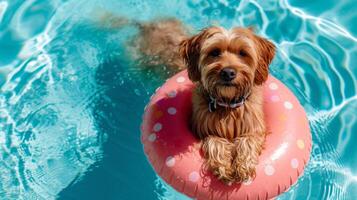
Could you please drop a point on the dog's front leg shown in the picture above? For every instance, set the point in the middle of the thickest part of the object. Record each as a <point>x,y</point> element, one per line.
<point>246,155</point>
<point>218,153</point>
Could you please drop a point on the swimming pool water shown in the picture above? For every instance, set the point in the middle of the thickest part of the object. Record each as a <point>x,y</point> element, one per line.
<point>71,99</point>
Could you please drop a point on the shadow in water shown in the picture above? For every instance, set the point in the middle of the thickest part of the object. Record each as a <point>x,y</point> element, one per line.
<point>124,172</point>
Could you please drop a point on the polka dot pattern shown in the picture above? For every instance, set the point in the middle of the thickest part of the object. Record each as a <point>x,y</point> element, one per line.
<point>152,137</point>
<point>288,105</point>
<point>157,127</point>
<point>163,138</point>
<point>300,143</point>
<point>294,163</point>
<point>269,170</point>
<point>273,86</point>
<point>181,79</point>
<point>275,98</point>
<point>172,110</point>
<point>193,176</point>
<point>172,94</point>
<point>170,161</point>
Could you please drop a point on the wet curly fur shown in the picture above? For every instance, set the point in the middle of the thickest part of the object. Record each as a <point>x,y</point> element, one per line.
<point>232,138</point>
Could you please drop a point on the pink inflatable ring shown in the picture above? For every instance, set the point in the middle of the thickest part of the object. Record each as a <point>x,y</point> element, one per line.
<point>175,154</point>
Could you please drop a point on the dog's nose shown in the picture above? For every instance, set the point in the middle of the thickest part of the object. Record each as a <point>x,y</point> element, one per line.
<point>228,74</point>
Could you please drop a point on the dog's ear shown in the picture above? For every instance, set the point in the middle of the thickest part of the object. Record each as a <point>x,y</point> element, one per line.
<point>265,56</point>
<point>190,52</point>
<point>251,28</point>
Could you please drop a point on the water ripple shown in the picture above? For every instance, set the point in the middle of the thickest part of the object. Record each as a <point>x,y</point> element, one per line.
<point>66,86</point>
<point>50,137</point>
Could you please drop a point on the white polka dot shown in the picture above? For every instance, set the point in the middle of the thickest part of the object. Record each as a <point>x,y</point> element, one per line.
<point>172,94</point>
<point>294,163</point>
<point>275,98</point>
<point>269,170</point>
<point>181,79</point>
<point>157,127</point>
<point>152,137</point>
<point>171,110</point>
<point>194,176</point>
<point>273,86</point>
<point>300,143</point>
<point>170,161</point>
<point>248,182</point>
<point>288,105</point>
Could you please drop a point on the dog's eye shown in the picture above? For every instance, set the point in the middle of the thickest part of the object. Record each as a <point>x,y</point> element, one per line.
<point>215,53</point>
<point>242,53</point>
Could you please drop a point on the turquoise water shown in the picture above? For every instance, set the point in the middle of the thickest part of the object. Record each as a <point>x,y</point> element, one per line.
<point>71,99</point>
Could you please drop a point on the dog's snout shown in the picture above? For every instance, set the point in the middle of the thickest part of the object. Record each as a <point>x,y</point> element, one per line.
<point>228,74</point>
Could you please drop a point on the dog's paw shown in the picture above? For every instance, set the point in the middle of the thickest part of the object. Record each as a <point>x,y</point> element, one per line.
<point>218,158</point>
<point>244,171</point>
<point>247,151</point>
<point>224,173</point>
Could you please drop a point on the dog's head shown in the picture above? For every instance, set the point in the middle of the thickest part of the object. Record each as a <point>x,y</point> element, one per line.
<point>228,63</point>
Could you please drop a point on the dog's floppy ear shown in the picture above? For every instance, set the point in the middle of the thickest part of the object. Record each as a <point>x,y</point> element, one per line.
<point>265,56</point>
<point>190,52</point>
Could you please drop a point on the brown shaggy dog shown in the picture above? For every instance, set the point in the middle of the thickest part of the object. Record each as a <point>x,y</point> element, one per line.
<point>157,44</point>
<point>229,67</point>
